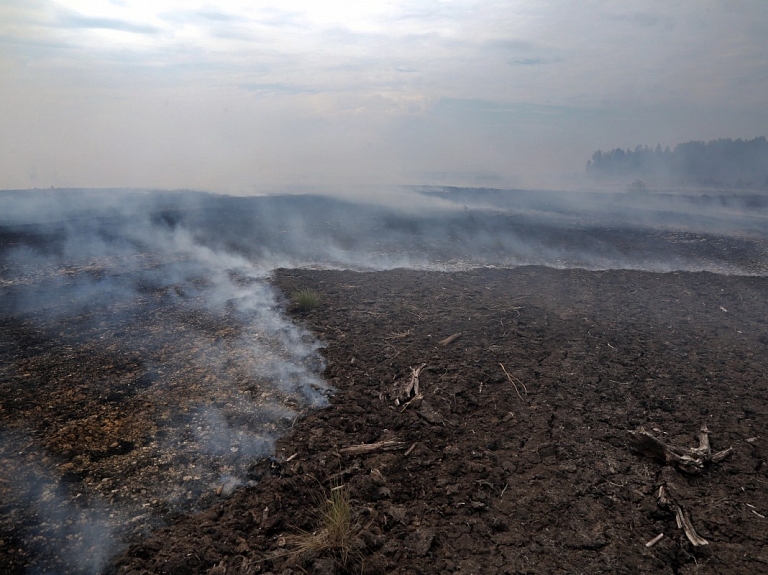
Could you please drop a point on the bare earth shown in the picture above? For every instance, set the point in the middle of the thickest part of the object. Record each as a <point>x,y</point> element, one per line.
<point>489,478</point>
<point>164,408</point>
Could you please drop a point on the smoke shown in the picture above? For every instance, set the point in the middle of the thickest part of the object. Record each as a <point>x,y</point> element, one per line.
<point>182,359</point>
<point>57,531</point>
<point>153,312</point>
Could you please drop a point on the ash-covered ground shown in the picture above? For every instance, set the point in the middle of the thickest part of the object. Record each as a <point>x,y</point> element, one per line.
<point>149,366</point>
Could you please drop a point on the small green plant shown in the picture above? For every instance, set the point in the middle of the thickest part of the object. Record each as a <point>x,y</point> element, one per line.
<point>306,299</point>
<point>336,533</point>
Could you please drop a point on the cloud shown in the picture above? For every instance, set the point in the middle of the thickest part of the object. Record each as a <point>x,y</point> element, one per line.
<point>305,84</point>
<point>534,61</point>
<point>507,45</point>
<point>71,20</point>
<point>277,89</point>
<point>216,16</point>
<point>277,18</point>
<point>646,19</point>
<point>204,17</point>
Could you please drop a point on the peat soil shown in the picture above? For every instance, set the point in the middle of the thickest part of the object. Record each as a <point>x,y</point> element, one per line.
<point>514,457</point>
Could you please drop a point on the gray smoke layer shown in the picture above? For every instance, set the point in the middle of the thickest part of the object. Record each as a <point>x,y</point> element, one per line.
<point>184,361</point>
<point>153,312</point>
<point>63,532</point>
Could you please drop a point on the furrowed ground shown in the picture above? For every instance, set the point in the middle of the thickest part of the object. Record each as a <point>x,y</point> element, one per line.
<point>515,458</point>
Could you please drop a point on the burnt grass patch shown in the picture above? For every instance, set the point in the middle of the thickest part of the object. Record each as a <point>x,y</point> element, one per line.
<point>471,476</point>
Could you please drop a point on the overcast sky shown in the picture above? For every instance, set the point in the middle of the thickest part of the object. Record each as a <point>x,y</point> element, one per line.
<point>237,96</point>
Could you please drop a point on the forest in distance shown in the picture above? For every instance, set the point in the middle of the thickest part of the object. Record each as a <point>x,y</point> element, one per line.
<point>721,163</point>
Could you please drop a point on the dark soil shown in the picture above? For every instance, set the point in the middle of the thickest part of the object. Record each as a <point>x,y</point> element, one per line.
<point>492,477</point>
<point>145,375</point>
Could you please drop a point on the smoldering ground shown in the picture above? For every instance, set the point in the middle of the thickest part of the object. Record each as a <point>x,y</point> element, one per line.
<point>176,359</point>
<point>148,366</point>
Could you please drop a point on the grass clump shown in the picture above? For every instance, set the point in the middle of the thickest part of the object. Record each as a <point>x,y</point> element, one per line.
<point>336,535</point>
<point>306,299</point>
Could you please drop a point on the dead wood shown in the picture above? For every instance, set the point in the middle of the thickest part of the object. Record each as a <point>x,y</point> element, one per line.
<point>367,448</point>
<point>646,444</point>
<point>688,460</point>
<point>691,460</point>
<point>655,540</point>
<point>415,401</point>
<point>721,455</point>
<point>704,448</point>
<point>450,339</point>
<point>413,385</point>
<point>681,517</point>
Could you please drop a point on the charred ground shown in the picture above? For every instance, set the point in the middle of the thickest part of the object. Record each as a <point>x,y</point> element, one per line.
<point>103,402</point>
<point>497,483</point>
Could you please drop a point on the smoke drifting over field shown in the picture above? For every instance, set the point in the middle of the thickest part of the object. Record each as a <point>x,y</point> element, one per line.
<point>186,369</point>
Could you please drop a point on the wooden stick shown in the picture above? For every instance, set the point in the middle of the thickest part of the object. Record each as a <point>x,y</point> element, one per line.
<point>646,444</point>
<point>409,402</point>
<point>684,520</point>
<point>720,455</point>
<point>691,460</point>
<point>704,447</point>
<point>367,448</point>
<point>413,385</point>
<point>450,339</point>
<point>655,540</point>
<point>681,517</point>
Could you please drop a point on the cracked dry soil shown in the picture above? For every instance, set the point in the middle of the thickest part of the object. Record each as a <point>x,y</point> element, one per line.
<point>489,481</point>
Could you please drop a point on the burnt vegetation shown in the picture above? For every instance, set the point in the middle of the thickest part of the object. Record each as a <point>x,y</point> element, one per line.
<point>166,406</point>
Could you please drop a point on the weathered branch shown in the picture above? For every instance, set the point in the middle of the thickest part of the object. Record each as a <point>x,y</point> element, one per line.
<point>655,540</point>
<point>720,455</point>
<point>691,460</point>
<point>413,385</point>
<point>681,517</point>
<point>450,339</point>
<point>367,448</point>
<point>704,447</point>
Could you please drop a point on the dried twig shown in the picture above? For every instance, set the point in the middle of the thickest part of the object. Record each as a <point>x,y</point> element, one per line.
<point>688,460</point>
<point>704,447</point>
<point>681,517</point>
<point>450,339</point>
<point>367,448</point>
<point>512,379</point>
<point>409,402</point>
<point>413,385</point>
<point>399,334</point>
<point>655,540</point>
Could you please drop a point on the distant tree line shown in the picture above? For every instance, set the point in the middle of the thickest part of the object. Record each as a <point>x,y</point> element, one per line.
<point>719,163</point>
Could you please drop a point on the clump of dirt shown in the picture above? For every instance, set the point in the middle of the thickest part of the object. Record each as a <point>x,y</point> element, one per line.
<point>513,455</point>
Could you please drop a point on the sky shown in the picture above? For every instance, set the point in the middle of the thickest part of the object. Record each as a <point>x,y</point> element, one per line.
<point>249,96</point>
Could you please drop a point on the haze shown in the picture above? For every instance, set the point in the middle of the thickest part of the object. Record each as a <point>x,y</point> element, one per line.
<point>240,97</point>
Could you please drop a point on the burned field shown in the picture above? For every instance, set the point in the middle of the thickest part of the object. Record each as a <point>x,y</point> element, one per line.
<point>486,477</point>
<point>169,411</point>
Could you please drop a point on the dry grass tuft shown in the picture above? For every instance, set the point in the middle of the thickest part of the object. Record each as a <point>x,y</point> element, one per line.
<point>306,299</point>
<point>336,534</point>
